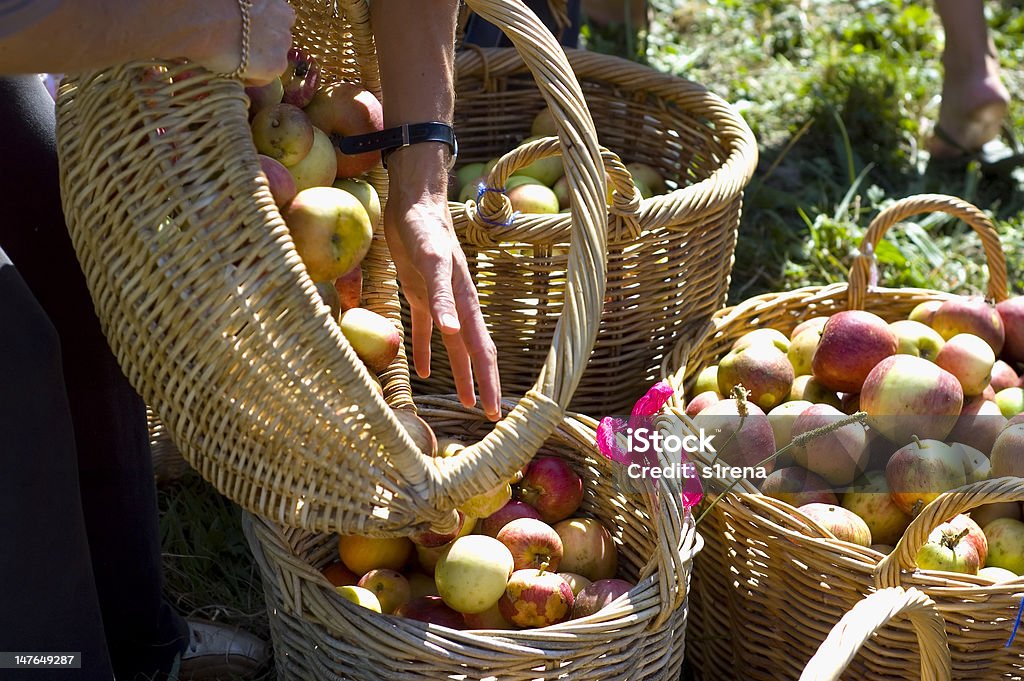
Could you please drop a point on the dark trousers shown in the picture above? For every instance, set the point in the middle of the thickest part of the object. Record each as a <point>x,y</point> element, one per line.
<point>484,34</point>
<point>80,563</point>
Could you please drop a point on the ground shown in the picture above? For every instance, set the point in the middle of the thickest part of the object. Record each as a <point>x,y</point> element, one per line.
<point>838,94</point>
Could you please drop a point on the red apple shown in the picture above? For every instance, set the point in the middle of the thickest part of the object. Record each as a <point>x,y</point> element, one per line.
<point>587,548</point>
<point>974,536</point>
<point>350,288</point>
<point>871,499</point>
<point>919,472</point>
<point>838,456</point>
<point>390,587</point>
<point>978,425</point>
<point>262,96</point>
<point>491,618</point>
<point>798,486</point>
<point>533,543</point>
<point>806,389</point>
<point>1008,452</point>
<point>970,359</point>
<point>431,540</point>
<point>762,369</point>
<point>551,487</point>
<point>973,315</point>
<point>431,610</point>
<point>925,312</point>
<point>374,337</point>
<point>762,337</point>
<point>343,109</point>
<point>598,595</point>
<point>1011,313</point>
<point>977,467</point>
<point>534,598</point>
<point>301,78</point>
<point>338,575</point>
<point>1003,376</point>
<point>844,524</point>
<point>533,198</point>
<point>281,183</point>
<point>739,441</point>
<point>852,343</point>
<point>513,510</point>
<point>698,403</point>
<point>948,550</point>
<point>906,396</point>
<point>283,132</point>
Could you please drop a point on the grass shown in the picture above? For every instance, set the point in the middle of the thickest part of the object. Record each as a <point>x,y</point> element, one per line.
<point>837,93</point>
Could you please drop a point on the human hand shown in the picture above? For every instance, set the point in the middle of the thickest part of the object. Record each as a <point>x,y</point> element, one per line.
<point>435,277</point>
<point>270,38</point>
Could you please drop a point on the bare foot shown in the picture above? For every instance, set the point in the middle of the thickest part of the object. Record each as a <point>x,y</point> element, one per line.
<point>974,105</point>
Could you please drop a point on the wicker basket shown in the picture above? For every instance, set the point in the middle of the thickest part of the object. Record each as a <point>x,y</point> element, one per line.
<point>168,463</point>
<point>771,583</point>
<point>669,256</point>
<point>318,635</point>
<point>216,323</point>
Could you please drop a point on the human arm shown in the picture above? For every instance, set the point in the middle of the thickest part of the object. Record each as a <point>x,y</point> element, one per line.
<point>86,34</point>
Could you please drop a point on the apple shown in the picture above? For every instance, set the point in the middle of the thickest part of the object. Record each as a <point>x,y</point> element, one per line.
<point>797,486</point>
<point>852,343</point>
<point>543,124</point>
<point>817,323</point>
<point>782,418</point>
<point>283,132</point>
<point>871,500</point>
<point>349,287</point>
<point>533,198</point>
<point>906,396</point>
<point>331,231</point>
<point>421,585</point>
<point>698,403</point>
<point>762,369</point>
<point>801,351</point>
<point>374,338</point>
<point>364,191</point>
<point>598,595</point>
<point>551,487</point>
<point>262,96</point>
<point>342,109</point>
<point>390,587</point>
<point>1006,544</point>
<point>546,170</point>
<point>707,381</point>
<point>762,336</point>
<point>948,550</point>
<point>432,540</point>
<point>491,618</point>
<point>1011,313</point>
<point>301,78</point>
<point>512,510</point>
<point>975,536</point>
<point>471,575</point>
<point>1007,455</point>
<point>431,610</point>
<point>362,554</point>
<point>838,456</point>
<point>978,425</point>
<point>338,575</point>
<point>359,596</point>
<point>739,441</point>
<point>970,359</point>
<point>535,598</point>
<point>419,431</point>
<point>329,297</point>
<point>1010,401</point>
<point>319,167</point>
<point>561,190</point>
<point>467,173</point>
<point>587,548</point>
<point>281,183</point>
<point>487,503</point>
<point>806,388</point>
<point>989,394</point>
<point>917,339</point>
<point>998,575</point>
<point>533,543</point>
<point>471,190</point>
<point>844,524</point>
<point>973,315</point>
<point>1003,376</point>
<point>986,513</point>
<point>576,582</point>
<point>428,556</point>
<point>924,312</point>
<point>849,403</point>
<point>977,466</point>
<point>648,175</point>
<point>919,472</point>
<point>519,180</point>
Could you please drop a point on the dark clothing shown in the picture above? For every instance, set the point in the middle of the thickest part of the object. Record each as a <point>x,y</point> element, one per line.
<point>484,34</point>
<point>81,567</point>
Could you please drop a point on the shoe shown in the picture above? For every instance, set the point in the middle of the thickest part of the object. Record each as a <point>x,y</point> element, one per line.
<point>995,157</point>
<point>220,652</point>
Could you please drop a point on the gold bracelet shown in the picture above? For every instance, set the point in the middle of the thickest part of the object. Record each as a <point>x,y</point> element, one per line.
<point>243,63</point>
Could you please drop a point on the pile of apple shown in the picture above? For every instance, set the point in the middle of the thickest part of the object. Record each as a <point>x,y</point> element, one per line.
<point>329,207</point>
<point>542,187</point>
<point>522,557</point>
<point>944,404</point>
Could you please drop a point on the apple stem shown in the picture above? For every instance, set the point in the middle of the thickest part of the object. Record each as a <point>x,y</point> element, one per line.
<point>917,441</point>
<point>542,568</point>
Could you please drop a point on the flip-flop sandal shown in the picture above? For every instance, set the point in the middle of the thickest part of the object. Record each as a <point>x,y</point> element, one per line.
<point>995,157</point>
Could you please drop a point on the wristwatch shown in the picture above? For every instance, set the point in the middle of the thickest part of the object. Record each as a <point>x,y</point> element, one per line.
<point>390,139</point>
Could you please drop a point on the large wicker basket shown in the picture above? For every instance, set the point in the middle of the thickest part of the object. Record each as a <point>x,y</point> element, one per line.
<point>771,583</point>
<point>215,322</point>
<point>319,636</point>
<point>669,256</point>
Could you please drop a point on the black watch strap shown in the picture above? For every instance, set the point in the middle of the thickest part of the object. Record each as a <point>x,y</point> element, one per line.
<point>391,139</point>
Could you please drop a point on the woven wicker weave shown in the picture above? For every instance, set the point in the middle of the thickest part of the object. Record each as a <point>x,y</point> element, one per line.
<point>669,256</point>
<point>211,314</point>
<point>319,636</point>
<point>771,583</point>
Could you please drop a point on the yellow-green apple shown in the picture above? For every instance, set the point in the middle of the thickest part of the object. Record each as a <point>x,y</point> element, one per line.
<point>512,510</point>
<point>801,351</point>
<point>349,287</point>
<point>970,359</point>
<point>319,167</point>
<point>648,175</point>
<point>838,456</point>
<point>781,419</point>
<point>762,369</point>
<point>338,575</point>
<point>543,124</point>
<point>283,132</point>
<point>843,523</point>
<point>919,472</point>
<point>449,446</point>
<point>1008,452</point>
<point>419,431</point>
<point>817,323</point>
<point>974,535</point>
<point>420,585</point>
<point>362,554</point>
<point>1011,313</point>
<point>533,544</point>
<point>1006,544</point>
<point>359,596</point>
<point>986,513</point>
<point>587,548</point>
<point>518,180</point>
<point>948,550</point>
<point>998,575</point>
<point>852,343</point>
<point>281,183</point>
<point>364,191</point>
<point>977,466</point>
<point>699,402</point>
<point>798,486</point>
<point>906,396</point>
<point>1010,401</point>
<point>262,96</point>
<point>533,198</point>
<point>301,78</point>
<point>978,425</point>
<point>561,190</point>
<point>924,312</point>
<point>738,441</point>
<point>467,173</point>
<point>471,575</point>
<point>1003,376</point>
<point>551,487</point>
<point>915,338</point>
<point>374,338</point>
<point>870,498</point>
<point>471,190</point>
<point>485,504</point>
<point>806,388</point>
<point>491,618</point>
<point>970,314</point>
<point>343,109</point>
<point>390,587</point>
<point>535,598</point>
<point>576,582</point>
<point>432,610</point>
<point>762,337</point>
<point>432,540</point>
<point>598,595</point>
<point>707,380</point>
<point>330,298</point>
<point>547,170</point>
<point>331,231</point>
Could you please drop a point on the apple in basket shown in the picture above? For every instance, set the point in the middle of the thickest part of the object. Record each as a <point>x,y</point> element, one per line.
<point>533,198</point>
<point>301,78</point>
<point>838,456</point>
<point>512,510</point>
<point>359,596</point>
<point>587,548</point>
<point>489,502</point>
<point>1006,544</point>
<point>906,396</point>
<point>648,175</point>
<point>551,487</point>
<point>970,359</point>
<point>281,183</point>
<point>342,109</point>
<point>1010,401</point>
<point>948,549</point>
<point>420,585</point>
<point>533,544</point>
<point>331,231</point>
<point>430,540</point>
<point>1011,313</point>
<point>546,170</point>
<point>919,472</point>
<point>283,132</point>
<point>338,575</point>
<point>808,389</point>
<point>375,338</point>
<point>329,297</point>
<point>419,430</point>
<point>701,401</point>
<point>801,351</point>
<point>491,618</point>
<point>812,323</point>
<point>871,499</point>
<point>1004,376</point>
<point>350,288</point>
<point>978,425</point>
<point>1008,452</point>
<point>707,380</point>
<point>782,419</point>
<point>843,523</point>
<point>389,586</point>
<point>970,314</point>
<point>536,598</point>
<point>761,337</point>
<point>576,582</point>
<point>471,575</point>
<point>362,554</point>
<point>975,535</point>
<point>998,575</point>
<point>797,486</point>
<point>262,96</point>
<point>738,441</point>
<point>431,610</point>
<point>319,167</point>
<point>977,466</point>
<point>852,343</point>
<point>596,596</point>
<point>925,312</point>
<point>762,369</point>
<point>917,339</point>
<point>986,513</point>
<point>364,191</point>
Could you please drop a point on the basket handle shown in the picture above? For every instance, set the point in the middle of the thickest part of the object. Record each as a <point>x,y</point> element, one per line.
<point>870,615</point>
<point>519,435</point>
<point>889,570</point>
<point>864,272</point>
